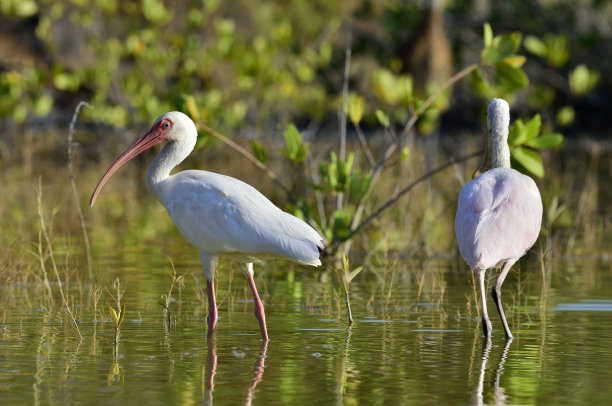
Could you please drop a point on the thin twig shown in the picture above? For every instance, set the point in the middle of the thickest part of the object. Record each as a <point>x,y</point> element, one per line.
<point>364,146</point>
<point>345,90</point>
<point>402,192</point>
<point>74,188</point>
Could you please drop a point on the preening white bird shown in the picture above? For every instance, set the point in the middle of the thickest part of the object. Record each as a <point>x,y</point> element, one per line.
<point>499,214</point>
<point>217,214</point>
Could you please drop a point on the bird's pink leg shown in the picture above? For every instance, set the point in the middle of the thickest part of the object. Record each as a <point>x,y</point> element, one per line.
<point>259,308</point>
<point>496,293</point>
<point>486,323</point>
<point>212,308</point>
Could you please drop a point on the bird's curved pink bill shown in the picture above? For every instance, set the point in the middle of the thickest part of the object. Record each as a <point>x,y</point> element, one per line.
<point>153,137</point>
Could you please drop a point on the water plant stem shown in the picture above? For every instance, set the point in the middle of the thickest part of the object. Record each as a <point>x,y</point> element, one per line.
<point>45,234</point>
<point>74,189</point>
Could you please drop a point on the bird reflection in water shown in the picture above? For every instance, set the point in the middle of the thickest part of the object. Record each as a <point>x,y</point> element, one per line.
<point>498,391</point>
<point>208,376</point>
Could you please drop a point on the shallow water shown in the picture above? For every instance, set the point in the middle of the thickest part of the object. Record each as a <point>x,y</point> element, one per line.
<point>416,339</point>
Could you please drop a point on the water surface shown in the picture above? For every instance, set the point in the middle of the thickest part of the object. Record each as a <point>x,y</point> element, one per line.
<point>416,339</point>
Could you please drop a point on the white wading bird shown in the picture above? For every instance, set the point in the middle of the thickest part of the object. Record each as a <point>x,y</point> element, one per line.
<point>218,214</point>
<point>499,214</point>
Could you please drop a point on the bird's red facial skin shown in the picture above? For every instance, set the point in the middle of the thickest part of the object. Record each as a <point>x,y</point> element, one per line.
<point>156,135</point>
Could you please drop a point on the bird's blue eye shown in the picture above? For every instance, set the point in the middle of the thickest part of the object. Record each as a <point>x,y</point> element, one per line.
<point>166,125</point>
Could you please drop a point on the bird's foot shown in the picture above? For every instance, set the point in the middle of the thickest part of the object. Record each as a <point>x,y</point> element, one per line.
<point>486,327</point>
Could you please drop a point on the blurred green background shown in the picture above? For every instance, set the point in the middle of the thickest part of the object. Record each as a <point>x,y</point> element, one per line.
<point>258,65</point>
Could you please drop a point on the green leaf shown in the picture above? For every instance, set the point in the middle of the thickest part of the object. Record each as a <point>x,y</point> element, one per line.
<point>501,47</point>
<point>342,223</point>
<point>557,51</point>
<point>532,128</point>
<point>512,75</point>
<point>516,61</point>
<point>535,46</point>
<point>566,116</point>
<point>114,315</point>
<point>384,86</point>
<point>351,275</point>
<point>345,263</point>
<point>545,141</point>
<point>403,88</point>
<point>404,154</point>
<point>356,107</point>
<point>43,105</point>
<point>259,152</point>
<point>66,81</point>
<point>358,186</point>
<point>295,151</point>
<point>121,315</point>
<point>344,171</point>
<point>487,35</point>
<point>329,172</point>
<point>517,134</point>
<point>582,80</point>
<point>342,280</point>
<point>383,118</point>
<point>530,160</point>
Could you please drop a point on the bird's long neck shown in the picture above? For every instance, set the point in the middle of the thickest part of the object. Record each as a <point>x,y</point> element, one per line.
<point>500,152</point>
<point>171,155</point>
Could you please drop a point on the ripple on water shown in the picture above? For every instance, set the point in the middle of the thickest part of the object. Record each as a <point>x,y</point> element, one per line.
<point>585,306</point>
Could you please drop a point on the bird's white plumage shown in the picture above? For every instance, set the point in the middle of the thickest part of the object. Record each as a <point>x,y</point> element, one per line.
<point>224,216</point>
<point>218,214</point>
<point>498,217</point>
<point>499,214</point>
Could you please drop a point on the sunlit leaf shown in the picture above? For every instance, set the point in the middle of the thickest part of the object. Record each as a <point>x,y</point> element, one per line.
<point>517,134</point>
<point>344,168</point>
<point>566,116</point>
<point>515,61</point>
<point>121,315</point>
<point>535,46</point>
<point>403,86</point>
<point>487,35</point>
<point>501,47</point>
<point>113,314</point>
<point>532,127</point>
<point>43,105</point>
<point>546,141</point>
<point>295,151</point>
<point>356,107</point>
<point>354,273</point>
<point>582,80</point>
<point>530,160</point>
<point>382,117</point>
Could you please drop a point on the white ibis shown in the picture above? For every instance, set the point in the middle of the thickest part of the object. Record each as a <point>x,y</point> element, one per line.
<point>498,215</point>
<point>217,214</point>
